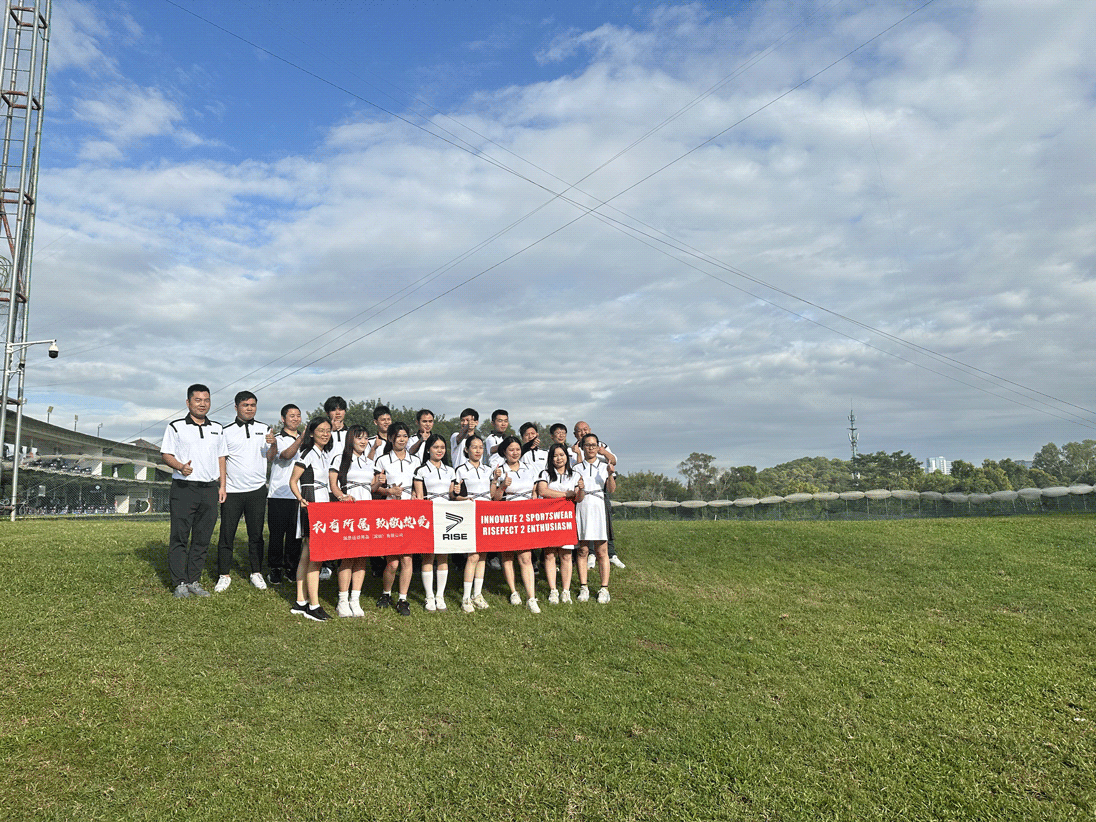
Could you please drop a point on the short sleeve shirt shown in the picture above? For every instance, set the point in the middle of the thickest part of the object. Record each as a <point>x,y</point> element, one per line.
<point>247,448</point>
<point>200,445</point>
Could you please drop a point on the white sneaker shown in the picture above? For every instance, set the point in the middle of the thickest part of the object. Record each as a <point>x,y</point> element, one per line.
<point>494,564</point>
<point>603,595</point>
<point>439,603</point>
<point>222,584</point>
<point>617,561</point>
<point>325,574</point>
<point>553,597</point>
<point>258,581</point>
<point>343,609</point>
<point>515,598</point>
<point>584,593</point>
<point>467,606</point>
<point>532,605</point>
<point>356,609</point>
<point>591,561</point>
<point>480,602</point>
<point>430,606</point>
<point>565,597</point>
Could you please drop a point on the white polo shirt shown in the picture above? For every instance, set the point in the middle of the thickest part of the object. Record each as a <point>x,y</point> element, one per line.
<point>247,449</point>
<point>200,445</point>
<point>536,458</point>
<point>398,472</point>
<point>281,470</point>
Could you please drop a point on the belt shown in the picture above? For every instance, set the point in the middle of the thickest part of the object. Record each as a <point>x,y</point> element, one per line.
<point>197,483</point>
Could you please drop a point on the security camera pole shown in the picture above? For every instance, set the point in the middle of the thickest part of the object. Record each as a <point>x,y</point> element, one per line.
<point>9,355</point>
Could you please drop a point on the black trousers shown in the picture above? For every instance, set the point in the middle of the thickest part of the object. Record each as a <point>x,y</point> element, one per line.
<point>285,547</point>
<point>252,505</point>
<point>193,508</point>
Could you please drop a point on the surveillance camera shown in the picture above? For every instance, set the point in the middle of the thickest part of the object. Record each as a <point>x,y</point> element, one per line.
<point>54,351</point>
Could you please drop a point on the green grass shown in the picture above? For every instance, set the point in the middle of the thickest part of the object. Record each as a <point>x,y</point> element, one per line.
<point>757,671</point>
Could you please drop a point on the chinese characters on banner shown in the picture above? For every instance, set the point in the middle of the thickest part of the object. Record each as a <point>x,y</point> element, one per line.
<point>383,527</point>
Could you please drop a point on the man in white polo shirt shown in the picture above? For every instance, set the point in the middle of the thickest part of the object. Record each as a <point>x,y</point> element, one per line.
<point>194,448</point>
<point>248,442</point>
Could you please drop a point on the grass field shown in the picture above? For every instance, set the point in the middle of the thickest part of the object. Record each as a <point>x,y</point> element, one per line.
<point>756,671</point>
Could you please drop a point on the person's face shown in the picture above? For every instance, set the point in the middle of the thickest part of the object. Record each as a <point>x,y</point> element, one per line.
<point>589,447</point>
<point>383,421</point>
<point>400,441</point>
<point>468,423</point>
<point>198,404</point>
<point>437,451</point>
<point>559,460</point>
<point>512,453</point>
<point>426,423</point>
<point>530,434</point>
<point>322,434</point>
<point>502,422</point>
<point>475,450</point>
<point>361,442</point>
<point>337,417</point>
<point>292,419</point>
<point>246,409</point>
<point>581,430</point>
<point>560,436</point>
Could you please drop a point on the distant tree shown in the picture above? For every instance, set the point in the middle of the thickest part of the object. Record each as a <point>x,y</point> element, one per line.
<point>936,481</point>
<point>646,485</point>
<point>738,482</point>
<point>1080,461</point>
<point>1018,476</point>
<point>824,473</point>
<point>1041,479</point>
<point>1049,459</point>
<point>882,470</point>
<point>700,473</point>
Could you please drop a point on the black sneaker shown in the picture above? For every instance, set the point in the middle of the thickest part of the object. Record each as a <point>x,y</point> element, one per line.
<point>298,609</point>
<point>275,576</point>
<point>384,601</point>
<point>317,614</point>
<point>403,608</point>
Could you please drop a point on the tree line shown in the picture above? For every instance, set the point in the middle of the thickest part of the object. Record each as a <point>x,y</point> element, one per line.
<point>1073,463</point>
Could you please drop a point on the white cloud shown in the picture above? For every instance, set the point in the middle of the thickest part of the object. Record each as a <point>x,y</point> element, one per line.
<point>936,187</point>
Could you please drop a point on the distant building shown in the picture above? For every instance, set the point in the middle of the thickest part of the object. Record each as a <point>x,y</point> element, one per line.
<point>1025,463</point>
<point>937,464</point>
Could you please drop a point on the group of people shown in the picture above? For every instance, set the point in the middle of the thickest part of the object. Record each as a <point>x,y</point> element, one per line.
<point>246,469</point>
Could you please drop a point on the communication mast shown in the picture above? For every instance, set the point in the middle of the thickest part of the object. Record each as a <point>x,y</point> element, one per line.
<point>853,435</point>
<point>23,51</point>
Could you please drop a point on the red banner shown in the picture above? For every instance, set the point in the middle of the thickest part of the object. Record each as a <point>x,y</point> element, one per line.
<point>373,528</point>
<point>370,528</point>
<point>523,524</point>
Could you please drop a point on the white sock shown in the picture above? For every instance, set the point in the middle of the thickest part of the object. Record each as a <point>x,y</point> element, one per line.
<point>443,577</point>
<point>344,596</point>
<point>477,587</point>
<point>355,597</point>
<point>428,583</point>
<point>403,597</point>
<point>468,590</point>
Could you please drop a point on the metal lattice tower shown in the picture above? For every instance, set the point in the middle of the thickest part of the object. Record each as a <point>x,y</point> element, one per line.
<point>23,53</point>
<point>853,435</point>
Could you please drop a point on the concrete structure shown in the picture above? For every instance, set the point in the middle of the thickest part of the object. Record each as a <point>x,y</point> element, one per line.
<point>937,464</point>
<point>66,472</point>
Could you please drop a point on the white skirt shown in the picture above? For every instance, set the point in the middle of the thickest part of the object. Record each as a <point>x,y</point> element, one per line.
<point>590,519</point>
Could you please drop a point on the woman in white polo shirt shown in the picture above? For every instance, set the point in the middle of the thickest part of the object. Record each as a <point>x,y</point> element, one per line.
<point>398,469</point>
<point>434,479</point>
<point>513,480</point>
<point>474,477</point>
<point>558,481</point>
<point>352,476</point>
<point>309,483</point>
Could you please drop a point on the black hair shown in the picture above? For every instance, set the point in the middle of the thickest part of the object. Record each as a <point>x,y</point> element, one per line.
<point>426,446</point>
<point>468,441</point>
<point>244,396</point>
<point>559,426</point>
<point>380,411</point>
<point>506,441</point>
<point>470,412</point>
<point>499,412</point>
<point>287,408</point>
<point>352,433</point>
<point>393,430</point>
<point>309,441</point>
<point>198,388</point>
<point>334,404</point>
<point>553,477</point>
<point>422,413</point>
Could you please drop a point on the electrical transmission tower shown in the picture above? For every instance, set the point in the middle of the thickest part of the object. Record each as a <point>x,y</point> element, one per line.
<point>22,94</point>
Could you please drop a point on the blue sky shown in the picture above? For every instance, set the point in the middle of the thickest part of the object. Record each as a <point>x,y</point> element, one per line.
<point>210,212</point>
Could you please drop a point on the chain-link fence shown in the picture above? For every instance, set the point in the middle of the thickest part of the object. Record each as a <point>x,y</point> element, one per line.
<point>855,505</point>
